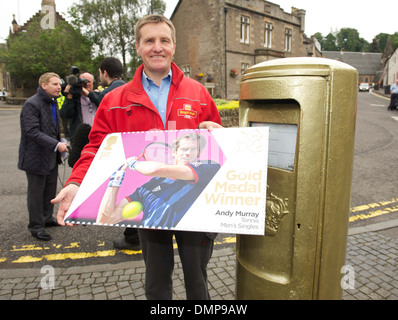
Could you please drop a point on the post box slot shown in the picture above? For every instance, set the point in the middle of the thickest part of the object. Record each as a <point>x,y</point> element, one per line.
<point>282,144</point>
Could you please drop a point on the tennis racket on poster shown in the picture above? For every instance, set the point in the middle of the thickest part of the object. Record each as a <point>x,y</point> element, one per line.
<point>154,151</point>
<point>157,151</point>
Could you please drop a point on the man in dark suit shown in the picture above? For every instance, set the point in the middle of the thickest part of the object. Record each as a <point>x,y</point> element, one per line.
<point>39,153</point>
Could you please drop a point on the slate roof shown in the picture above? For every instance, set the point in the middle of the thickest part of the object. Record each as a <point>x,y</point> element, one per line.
<point>366,63</point>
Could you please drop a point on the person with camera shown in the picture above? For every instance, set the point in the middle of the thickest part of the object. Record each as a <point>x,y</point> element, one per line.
<point>81,102</point>
<point>110,71</point>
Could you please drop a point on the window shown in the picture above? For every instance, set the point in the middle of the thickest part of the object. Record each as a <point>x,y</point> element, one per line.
<point>243,67</point>
<point>268,35</point>
<point>288,39</point>
<point>244,29</point>
<point>187,71</point>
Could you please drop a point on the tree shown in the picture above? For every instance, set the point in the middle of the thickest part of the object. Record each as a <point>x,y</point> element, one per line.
<point>381,40</point>
<point>39,50</point>
<point>109,24</point>
<point>348,40</point>
<point>394,40</point>
<point>330,43</point>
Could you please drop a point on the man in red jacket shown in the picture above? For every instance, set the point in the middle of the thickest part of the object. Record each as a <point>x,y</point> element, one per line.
<point>158,98</point>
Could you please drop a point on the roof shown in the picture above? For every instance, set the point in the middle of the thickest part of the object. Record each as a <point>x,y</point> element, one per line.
<point>365,62</point>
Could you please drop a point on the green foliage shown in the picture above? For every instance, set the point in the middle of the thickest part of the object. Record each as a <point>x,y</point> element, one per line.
<point>348,39</point>
<point>394,39</point>
<point>38,50</point>
<point>331,42</point>
<point>109,24</point>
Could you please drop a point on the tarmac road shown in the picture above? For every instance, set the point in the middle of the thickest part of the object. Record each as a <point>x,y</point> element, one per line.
<point>374,196</point>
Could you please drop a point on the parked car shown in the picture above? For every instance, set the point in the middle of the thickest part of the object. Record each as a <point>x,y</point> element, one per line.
<point>364,87</point>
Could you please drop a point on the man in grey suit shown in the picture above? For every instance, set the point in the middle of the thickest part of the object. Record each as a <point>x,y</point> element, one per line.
<point>39,153</point>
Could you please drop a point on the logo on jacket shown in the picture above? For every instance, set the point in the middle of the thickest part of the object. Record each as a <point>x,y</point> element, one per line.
<point>187,112</point>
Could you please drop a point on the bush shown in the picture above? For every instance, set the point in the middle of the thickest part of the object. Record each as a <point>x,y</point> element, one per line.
<point>225,104</point>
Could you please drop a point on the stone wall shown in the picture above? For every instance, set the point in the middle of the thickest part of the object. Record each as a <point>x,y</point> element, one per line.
<point>229,117</point>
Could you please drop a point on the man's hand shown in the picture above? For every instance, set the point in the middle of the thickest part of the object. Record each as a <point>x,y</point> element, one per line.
<point>209,125</point>
<point>68,94</point>
<point>64,198</point>
<point>85,91</point>
<point>63,147</point>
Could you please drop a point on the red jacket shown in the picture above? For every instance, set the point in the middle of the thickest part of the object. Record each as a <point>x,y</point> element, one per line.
<point>129,109</point>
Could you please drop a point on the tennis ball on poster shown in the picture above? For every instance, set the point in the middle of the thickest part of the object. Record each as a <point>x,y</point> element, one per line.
<point>131,210</point>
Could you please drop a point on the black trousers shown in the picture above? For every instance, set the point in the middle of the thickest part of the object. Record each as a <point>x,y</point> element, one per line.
<point>393,102</point>
<point>41,190</point>
<point>195,250</point>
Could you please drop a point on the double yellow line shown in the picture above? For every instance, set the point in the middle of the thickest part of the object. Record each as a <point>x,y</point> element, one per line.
<point>80,255</point>
<point>374,210</point>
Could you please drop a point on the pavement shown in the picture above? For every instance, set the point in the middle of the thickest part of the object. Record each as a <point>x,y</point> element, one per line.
<point>372,252</point>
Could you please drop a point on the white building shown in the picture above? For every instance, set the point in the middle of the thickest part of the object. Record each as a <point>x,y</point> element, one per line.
<point>390,72</point>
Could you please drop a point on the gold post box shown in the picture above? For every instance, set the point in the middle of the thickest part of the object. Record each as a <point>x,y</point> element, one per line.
<point>309,105</point>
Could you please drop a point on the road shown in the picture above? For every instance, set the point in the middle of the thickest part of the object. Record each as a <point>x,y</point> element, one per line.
<point>374,196</point>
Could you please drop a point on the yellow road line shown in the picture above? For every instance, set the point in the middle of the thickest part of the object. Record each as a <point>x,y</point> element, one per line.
<point>85,255</point>
<point>64,256</point>
<point>29,247</point>
<point>374,205</point>
<point>380,96</point>
<point>374,213</point>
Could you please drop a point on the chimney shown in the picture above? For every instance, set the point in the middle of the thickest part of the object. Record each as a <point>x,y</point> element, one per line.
<point>48,3</point>
<point>300,13</point>
<point>14,24</point>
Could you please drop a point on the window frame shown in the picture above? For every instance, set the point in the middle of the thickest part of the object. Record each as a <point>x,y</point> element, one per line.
<point>244,29</point>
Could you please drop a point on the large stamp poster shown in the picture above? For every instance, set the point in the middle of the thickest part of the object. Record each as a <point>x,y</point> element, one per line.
<point>190,180</point>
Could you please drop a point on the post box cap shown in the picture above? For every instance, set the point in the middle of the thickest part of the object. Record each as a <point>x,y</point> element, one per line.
<point>302,65</point>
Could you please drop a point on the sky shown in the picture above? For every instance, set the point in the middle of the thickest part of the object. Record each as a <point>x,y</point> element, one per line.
<point>368,18</point>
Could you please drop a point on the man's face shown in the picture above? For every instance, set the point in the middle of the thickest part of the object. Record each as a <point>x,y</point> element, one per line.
<point>53,87</point>
<point>187,152</point>
<point>156,48</point>
<point>90,84</point>
<point>102,77</point>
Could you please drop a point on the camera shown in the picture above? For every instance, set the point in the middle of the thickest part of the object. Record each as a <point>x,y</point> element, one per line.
<point>75,81</point>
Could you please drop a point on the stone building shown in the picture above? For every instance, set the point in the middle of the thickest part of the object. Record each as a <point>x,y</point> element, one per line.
<point>218,39</point>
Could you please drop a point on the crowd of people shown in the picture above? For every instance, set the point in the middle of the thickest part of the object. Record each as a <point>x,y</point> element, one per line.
<point>154,96</point>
